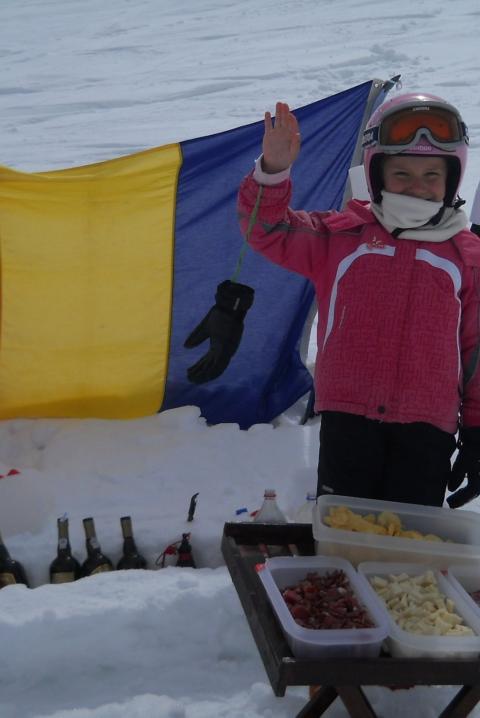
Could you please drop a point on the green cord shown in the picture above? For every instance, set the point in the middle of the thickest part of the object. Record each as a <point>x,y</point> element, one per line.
<point>251,222</point>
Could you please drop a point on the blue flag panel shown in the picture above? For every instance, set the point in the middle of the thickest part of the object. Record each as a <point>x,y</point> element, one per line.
<point>266,375</point>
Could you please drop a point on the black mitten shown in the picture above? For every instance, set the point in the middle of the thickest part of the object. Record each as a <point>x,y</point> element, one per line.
<point>223,325</point>
<point>467,464</point>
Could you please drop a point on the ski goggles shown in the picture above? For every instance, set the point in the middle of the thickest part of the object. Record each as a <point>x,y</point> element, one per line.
<point>403,129</point>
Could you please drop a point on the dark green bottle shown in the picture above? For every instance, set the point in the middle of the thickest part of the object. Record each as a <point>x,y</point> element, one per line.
<point>185,555</point>
<point>65,567</point>
<point>96,561</point>
<point>130,558</point>
<point>11,571</point>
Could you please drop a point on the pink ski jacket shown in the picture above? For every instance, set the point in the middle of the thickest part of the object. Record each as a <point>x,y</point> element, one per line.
<point>398,319</point>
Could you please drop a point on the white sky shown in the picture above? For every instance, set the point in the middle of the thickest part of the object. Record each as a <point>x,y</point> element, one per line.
<point>84,81</point>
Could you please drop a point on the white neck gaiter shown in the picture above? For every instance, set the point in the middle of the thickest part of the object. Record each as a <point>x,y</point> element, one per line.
<point>412,216</point>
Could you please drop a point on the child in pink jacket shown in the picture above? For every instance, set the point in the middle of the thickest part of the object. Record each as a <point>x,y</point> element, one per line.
<point>398,290</point>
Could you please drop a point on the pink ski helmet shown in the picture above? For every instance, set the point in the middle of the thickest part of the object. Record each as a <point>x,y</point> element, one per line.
<point>415,124</point>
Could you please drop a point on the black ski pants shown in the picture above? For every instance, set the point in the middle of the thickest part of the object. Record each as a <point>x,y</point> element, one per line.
<point>377,460</point>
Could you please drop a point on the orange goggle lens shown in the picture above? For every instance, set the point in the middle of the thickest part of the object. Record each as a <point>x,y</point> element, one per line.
<point>401,127</point>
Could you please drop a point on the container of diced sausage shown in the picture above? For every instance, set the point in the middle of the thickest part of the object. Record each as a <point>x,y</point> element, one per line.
<point>359,529</point>
<point>427,615</point>
<point>301,584</point>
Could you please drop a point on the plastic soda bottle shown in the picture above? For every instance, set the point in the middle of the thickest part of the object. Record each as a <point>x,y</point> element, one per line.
<point>304,515</point>
<point>269,512</point>
<point>241,514</point>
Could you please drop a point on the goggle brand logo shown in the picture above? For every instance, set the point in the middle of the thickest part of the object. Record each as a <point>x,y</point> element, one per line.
<point>424,148</point>
<point>369,137</point>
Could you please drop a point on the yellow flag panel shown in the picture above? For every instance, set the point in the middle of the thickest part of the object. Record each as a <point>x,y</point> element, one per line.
<point>86,287</point>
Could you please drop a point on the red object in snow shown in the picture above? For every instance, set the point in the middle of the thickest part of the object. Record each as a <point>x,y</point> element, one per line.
<point>11,472</point>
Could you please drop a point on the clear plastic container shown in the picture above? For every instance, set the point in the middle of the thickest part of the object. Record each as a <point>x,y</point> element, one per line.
<point>459,529</point>
<point>269,512</point>
<point>466,579</point>
<point>304,515</point>
<point>403,644</point>
<point>278,573</point>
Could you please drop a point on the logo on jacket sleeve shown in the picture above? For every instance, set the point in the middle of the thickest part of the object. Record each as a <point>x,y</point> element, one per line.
<point>375,243</point>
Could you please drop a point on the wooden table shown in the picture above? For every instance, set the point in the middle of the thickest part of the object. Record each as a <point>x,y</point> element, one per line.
<point>246,544</point>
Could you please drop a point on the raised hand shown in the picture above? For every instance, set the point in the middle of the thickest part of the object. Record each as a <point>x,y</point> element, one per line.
<point>281,141</point>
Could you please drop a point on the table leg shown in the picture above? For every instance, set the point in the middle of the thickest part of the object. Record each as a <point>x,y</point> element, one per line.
<point>319,702</point>
<point>356,702</point>
<point>463,703</point>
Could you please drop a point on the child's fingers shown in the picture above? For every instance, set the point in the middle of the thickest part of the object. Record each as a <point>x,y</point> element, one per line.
<point>268,122</point>
<point>293,127</point>
<point>282,112</point>
<point>293,122</point>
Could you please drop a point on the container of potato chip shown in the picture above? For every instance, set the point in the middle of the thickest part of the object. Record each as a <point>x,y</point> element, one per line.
<point>458,530</point>
<point>407,644</point>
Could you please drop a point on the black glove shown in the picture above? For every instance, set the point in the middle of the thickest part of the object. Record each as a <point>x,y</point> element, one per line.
<point>466,464</point>
<point>223,325</point>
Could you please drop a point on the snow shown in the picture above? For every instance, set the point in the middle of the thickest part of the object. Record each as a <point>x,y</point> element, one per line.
<point>84,81</point>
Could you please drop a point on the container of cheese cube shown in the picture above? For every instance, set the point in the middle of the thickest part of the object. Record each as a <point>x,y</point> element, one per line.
<point>359,530</point>
<point>427,616</point>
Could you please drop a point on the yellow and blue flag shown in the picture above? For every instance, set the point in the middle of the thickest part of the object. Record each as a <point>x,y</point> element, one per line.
<point>106,269</point>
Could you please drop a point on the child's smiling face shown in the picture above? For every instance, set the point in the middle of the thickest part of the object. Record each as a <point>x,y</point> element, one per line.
<point>421,177</point>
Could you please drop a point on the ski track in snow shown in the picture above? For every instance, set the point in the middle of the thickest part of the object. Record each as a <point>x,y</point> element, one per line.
<point>84,83</point>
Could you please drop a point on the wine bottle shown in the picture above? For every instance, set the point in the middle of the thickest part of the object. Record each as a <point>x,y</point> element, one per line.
<point>130,558</point>
<point>96,561</point>
<point>269,512</point>
<point>185,555</point>
<point>11,571</point>
<point>65,567</point>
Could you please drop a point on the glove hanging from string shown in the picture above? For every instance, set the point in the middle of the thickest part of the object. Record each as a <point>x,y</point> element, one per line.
<point>467,464</point>
<point>223,325</point>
